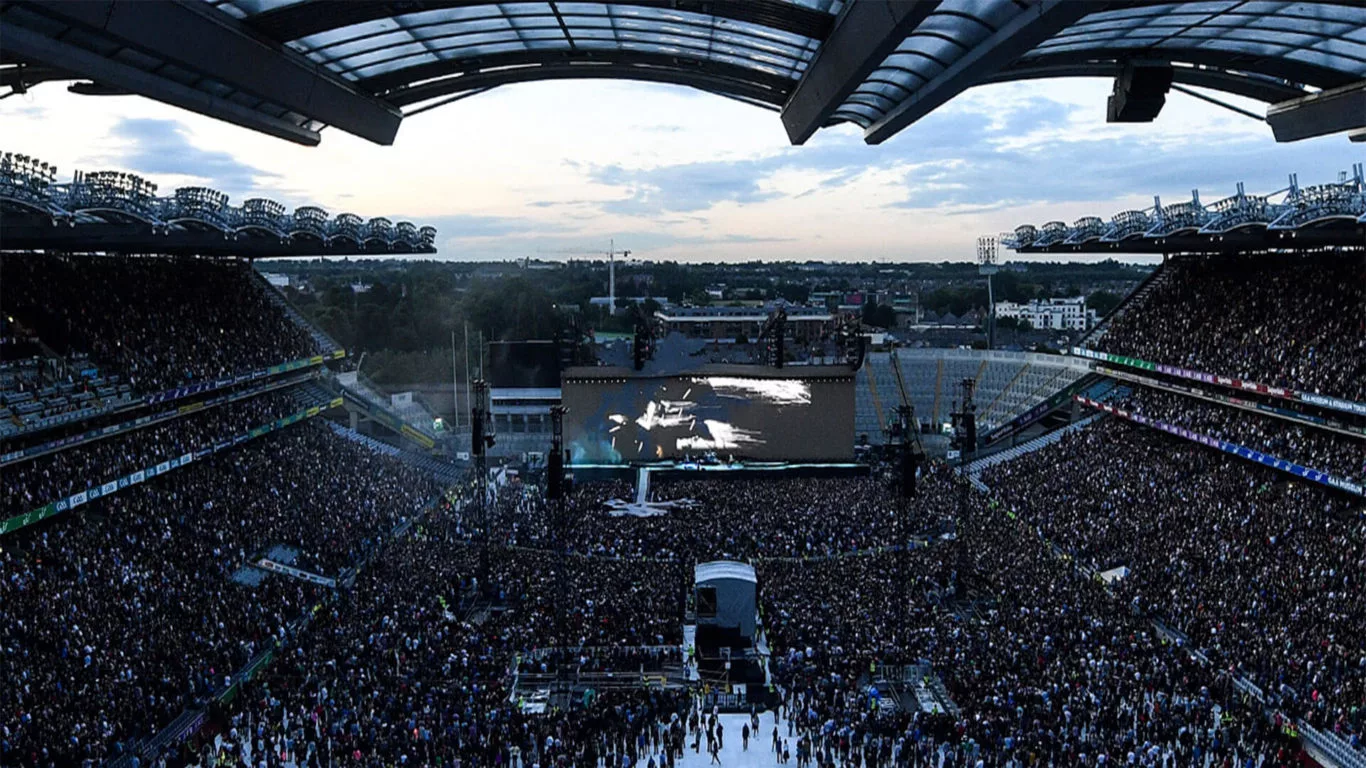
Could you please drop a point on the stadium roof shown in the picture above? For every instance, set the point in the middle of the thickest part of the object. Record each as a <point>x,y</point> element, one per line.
<point>1330,215</point>
<point>117,212</point>
<point>290,67</point>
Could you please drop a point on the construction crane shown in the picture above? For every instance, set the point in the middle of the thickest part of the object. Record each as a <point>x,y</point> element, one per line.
<point>612,254</point>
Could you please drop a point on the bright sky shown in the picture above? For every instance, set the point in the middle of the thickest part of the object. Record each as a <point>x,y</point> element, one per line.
<point>671,173</point>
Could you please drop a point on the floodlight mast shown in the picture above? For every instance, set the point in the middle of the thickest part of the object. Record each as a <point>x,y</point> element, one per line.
<point>988,256</point>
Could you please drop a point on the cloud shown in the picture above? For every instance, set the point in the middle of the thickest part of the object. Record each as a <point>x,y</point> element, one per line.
<point>698,186</point>
<point>979,155</point>
<point>991,174</point>
<point>155,146</point>
<point>461,226</point>
<point>838,157</point>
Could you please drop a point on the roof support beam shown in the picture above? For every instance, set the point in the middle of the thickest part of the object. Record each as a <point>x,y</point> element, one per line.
<point>1040,21</point>
<point>567,70</point>
<point>864,35</point>
<point>446,77</point>
<point>309,17</point>
<point>1240,84</point>
<point>193,36</point>
<point>1319,114</point>
<point>46,51</point>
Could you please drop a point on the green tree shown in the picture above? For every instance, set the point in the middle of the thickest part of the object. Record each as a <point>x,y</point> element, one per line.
<point>1102,302</point>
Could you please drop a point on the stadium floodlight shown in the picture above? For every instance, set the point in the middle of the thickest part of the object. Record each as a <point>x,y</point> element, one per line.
<point>1023,236</point>
<point>988,257</point>
<point>115,191</point>
<point>379,229</point>
<point>347,226</point>
<point>1052,233</point>
<point>26,178</point>
<point>261,213</point>
<point>1128,224</point>
<point>197,204</point>
<point>1345,199</point>
<point>122,199</point>
<point>309,220</point>
<point>1085,229</point>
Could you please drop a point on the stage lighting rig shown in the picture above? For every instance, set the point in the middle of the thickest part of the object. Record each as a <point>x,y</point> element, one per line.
<point>772,336</point>
<point>643,342</point>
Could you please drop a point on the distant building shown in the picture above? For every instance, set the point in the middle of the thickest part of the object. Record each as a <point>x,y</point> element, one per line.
<point>602,301</point>
<point>540,266</point>
<point>826,298</point>
<point>276,279</point>
<point>725,323</point>
<point>907,309</point>
<point>1068,314</point>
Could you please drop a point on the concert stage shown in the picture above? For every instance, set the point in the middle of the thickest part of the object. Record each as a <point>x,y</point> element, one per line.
<point>740,470</point>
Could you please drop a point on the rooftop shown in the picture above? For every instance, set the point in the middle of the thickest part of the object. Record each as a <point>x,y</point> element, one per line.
<point>291,67</point>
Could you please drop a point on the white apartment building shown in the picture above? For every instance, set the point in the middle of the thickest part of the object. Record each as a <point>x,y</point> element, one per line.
<point>1068,314</point>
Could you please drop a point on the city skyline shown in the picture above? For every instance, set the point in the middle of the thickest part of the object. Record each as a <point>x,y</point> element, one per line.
<point>554,170</point>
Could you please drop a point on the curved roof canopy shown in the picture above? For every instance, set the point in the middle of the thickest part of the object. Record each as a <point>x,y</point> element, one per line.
<point>291,66</point>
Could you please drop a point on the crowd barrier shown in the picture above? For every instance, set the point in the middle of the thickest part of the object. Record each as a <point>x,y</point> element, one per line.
<point>175,462</point>
<point>1323,401</point>
<point>143,421</point>
<point>1229,400</point>
<point>177,393</point>
<point>1244,452</point>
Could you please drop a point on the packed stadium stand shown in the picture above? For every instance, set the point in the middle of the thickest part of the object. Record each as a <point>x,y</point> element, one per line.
<point>1280,320</point>
<point>200,567</point>
<point>1197,530</point>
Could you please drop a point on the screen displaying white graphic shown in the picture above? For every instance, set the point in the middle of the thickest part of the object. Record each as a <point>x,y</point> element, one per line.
<point>615,420</point>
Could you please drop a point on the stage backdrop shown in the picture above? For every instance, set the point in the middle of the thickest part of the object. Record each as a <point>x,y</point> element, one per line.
<point>799,413</point>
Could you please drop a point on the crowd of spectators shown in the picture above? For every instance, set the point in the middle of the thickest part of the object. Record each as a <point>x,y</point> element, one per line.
<point>411,667</point>
<point>38,481</point>
<point>1046,666</point>
<point>1262,573</point>
<point>726,518</point>
<point>116,615</point>
<point>161,322</point>
<point>114,618</point>
<point>1320,449</point>
<point>1286,321</point>
<point>1048,669</point>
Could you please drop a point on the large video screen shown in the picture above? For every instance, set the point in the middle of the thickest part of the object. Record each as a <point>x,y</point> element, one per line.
<point>653,418</point>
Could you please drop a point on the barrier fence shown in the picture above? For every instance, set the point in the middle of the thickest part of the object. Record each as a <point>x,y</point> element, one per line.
<point>1244,452</point>
<point>110,487</point>
<point>1323,401</point>
<point>143,421</point>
